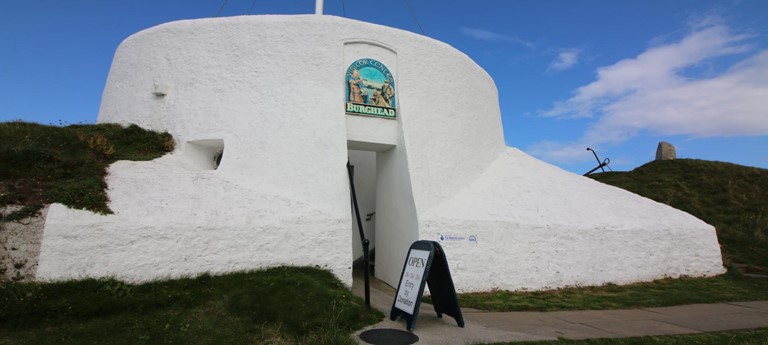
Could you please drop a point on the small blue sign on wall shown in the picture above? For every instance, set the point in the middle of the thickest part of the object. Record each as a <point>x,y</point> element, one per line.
<point>370,89</point>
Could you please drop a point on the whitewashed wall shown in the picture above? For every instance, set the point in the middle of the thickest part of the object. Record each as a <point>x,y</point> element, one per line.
<point>270,90</point>
<point>538,227</point>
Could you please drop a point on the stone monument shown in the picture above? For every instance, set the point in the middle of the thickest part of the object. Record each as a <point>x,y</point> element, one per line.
<point>665,151</point>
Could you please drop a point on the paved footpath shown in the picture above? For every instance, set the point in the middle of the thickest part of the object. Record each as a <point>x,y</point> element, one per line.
<point>494,327</point>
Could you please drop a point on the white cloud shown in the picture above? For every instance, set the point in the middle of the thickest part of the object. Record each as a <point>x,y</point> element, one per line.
<point>565,60</point>
<point>485,35</point>
<point>649,93</point>
<point>552,151</point>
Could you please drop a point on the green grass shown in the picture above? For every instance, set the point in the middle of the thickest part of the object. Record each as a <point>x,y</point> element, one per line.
<point>42,164</point>
<point>731,197</point>
<point>747,337</point>
<point>274,306</point>
<point>667,292</point>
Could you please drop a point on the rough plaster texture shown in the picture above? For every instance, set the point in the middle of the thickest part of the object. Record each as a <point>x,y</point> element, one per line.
<point>20,245</point>
<point>170,221</point>
<point>539,227</point>
<point>270,90</point>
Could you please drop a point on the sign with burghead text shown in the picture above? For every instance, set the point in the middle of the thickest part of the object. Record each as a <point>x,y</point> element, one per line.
<point>370,89</point>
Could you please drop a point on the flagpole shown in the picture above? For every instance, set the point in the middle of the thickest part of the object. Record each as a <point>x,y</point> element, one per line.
<point>318,7</point>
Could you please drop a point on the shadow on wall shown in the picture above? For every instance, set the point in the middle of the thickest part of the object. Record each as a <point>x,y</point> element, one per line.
<point>204,154</point>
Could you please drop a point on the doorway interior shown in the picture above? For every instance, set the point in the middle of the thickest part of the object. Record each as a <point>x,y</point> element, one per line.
<point>364,174</point>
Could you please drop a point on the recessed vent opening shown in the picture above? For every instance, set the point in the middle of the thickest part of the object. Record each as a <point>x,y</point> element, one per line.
<point>217,159</point>
<point>205,154</point>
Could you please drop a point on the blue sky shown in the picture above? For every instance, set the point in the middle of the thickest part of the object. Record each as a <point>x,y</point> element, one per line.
<point>617,76</point>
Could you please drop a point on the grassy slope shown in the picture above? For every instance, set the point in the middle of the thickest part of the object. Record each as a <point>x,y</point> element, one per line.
<point>731,197</point>
<point>275,306</point>
<point>44,164</point>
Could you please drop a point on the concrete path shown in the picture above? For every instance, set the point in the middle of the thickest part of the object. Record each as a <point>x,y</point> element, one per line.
<point>494,327</point>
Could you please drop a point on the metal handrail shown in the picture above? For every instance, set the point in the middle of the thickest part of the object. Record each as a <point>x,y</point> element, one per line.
<point>363,240</point>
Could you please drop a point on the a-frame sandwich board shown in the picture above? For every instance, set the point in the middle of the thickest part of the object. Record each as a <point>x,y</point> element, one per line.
<point>425,264</point>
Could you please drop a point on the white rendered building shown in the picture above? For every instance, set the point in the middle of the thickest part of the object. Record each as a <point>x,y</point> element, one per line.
<point>285,99</point>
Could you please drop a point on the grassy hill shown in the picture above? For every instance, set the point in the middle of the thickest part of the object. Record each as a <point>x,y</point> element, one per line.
<point>731,197</point>
<point>44,164</point>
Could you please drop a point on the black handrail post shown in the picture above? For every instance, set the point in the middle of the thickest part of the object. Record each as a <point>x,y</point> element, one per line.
<point>366,262</point>
<point>364,240</point>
